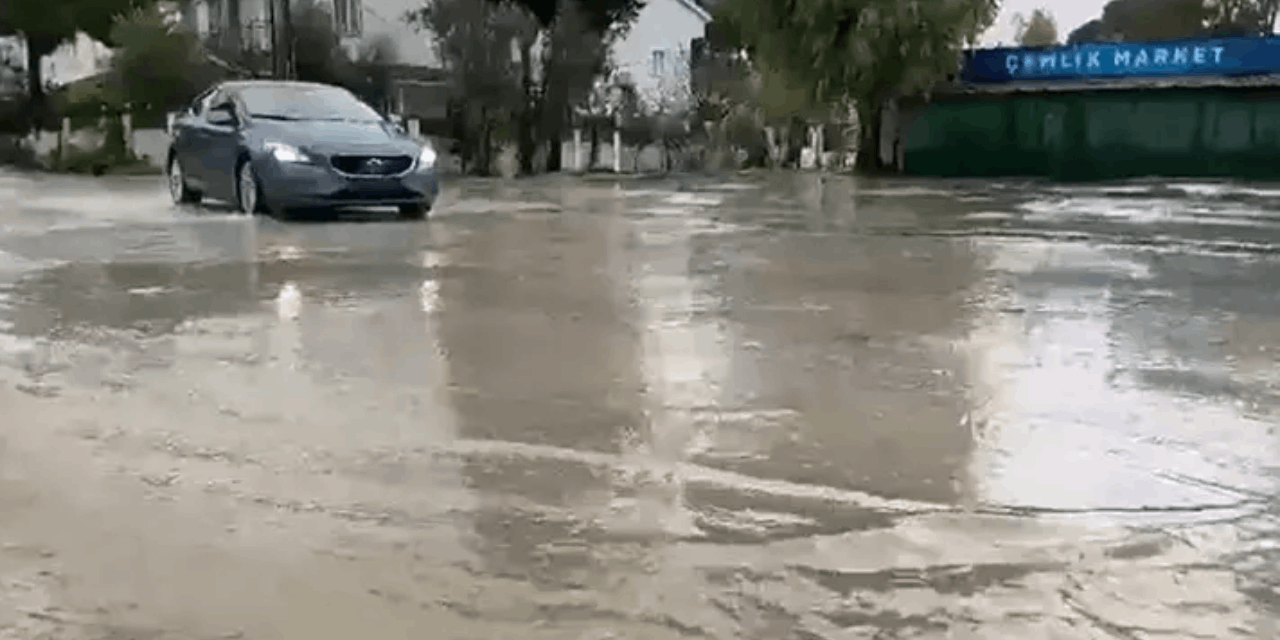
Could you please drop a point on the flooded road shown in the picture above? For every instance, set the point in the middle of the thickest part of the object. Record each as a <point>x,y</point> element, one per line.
<point>786,407</point>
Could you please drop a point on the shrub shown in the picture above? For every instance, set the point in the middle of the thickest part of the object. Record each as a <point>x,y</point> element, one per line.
<point>159,65</point>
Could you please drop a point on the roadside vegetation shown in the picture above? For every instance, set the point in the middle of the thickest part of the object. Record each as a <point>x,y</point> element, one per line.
<point>525,74</point>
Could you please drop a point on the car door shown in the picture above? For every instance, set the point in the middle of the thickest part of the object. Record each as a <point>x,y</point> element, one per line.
<point>221,151</point>
<point>191,140</point>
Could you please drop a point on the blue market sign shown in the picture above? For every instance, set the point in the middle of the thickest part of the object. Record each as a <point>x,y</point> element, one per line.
<point>1207,56</point>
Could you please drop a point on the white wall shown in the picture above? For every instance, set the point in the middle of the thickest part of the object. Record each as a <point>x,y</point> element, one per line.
<point>670,25</point>
<point>72,61</point>
<point>150,144</point>
<point>386,18</point>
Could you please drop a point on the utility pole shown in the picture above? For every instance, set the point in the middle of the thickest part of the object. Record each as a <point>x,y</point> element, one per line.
<point>290,65</point>
<point>275,38</point>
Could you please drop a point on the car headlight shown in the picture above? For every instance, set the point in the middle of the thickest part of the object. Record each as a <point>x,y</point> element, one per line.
<point>427,158</point>
<point>286,153</point>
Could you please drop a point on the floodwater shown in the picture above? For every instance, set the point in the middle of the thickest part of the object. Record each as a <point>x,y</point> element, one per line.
<point>781,407</point>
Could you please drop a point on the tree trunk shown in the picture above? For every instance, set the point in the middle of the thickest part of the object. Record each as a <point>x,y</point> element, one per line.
<point>869,125</point>
<point>593,158</point>
<point>233,26</point>
<point>526,143</point>
<point>526,139</point>
<point>555,155</point>
<point>486,146</point>
<point>38,113</point>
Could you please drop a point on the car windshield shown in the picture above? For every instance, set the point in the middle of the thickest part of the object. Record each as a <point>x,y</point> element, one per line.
<point>305,103</point>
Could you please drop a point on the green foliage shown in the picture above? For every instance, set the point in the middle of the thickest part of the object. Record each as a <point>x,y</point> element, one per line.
<point>107,159</point>
<point>862,50</point>
<point>474,40</point>
<point>599,16</point>
<point>504,84</point>
<point>1241,17</point>
<point>44,25</point>
<point>1038,30</point>
<point>158,66</point>
<point>86,103</point>
<point>43,21</point>
<point>857,48</point>
<point>1136,20</point>
<point>320,57</point>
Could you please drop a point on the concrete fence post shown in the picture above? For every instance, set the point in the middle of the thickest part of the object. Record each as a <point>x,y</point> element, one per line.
<point>415,128</point>
<point>64,136</point>
<point>126,123</point>
<point>577,149</point>
<point>617,151</point>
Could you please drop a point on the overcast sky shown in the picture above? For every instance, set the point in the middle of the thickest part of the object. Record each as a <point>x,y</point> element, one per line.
<point>1069,14</point>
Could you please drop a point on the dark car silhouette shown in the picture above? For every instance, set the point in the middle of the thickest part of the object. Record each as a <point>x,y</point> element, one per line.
<point>276,147</point>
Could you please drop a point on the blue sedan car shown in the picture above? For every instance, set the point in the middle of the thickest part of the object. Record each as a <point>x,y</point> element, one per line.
<point>276,147</point>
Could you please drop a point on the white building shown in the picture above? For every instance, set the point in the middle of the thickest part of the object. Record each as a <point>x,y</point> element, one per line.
<point>417,92</point>
<point>358,22</point>
<point>74,60</point>
<point>655,55</point>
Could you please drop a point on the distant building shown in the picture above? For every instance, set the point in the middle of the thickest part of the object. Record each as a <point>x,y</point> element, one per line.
<point>247,25</point>
<point>74,60</point>
<point>658,50</point>
<point>1201,107</point>
<point>12,66</point>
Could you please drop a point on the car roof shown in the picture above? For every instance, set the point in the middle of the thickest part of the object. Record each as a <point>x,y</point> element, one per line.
<point>237,85</point>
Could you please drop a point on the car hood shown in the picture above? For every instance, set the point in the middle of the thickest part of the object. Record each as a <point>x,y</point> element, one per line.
<point>337,138</point>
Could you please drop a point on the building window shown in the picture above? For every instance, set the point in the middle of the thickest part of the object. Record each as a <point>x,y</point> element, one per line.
<point>202,18</point>
<point>658,63</point>
<point>346,17</point>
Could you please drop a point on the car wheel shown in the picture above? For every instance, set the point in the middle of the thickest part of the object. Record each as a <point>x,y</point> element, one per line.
<point>248,190</point>
<point>416,211</point>
<point>178,189</point>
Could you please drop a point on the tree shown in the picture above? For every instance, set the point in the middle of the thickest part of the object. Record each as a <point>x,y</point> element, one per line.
<point>576,54</point>
<point>474,40</point>
<point>1154,19</point>
<point>601,16</point>
<point>158,65</point>
<point>1241,17</point>
<point>1137,20</point>
<point>559,62</point>
<point>1039,30</point>
<point>669,107</point>
<point>1091,31</point>
<point>45,25</point>
<point>869,51</point>
<point>318,55</point>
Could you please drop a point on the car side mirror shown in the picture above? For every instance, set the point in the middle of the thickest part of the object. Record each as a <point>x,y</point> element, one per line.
<point>223,114</point>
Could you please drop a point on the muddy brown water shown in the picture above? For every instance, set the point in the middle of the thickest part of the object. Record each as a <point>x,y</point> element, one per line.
<point>773,407</point>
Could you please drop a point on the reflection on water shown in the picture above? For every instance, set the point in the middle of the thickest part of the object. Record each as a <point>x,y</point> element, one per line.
<point>844,346</point>
<point>1152,413</point>
<point>803,408</point>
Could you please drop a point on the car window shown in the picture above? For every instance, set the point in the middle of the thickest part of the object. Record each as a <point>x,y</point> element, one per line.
<point>306,103</point>
<point>201,104</point>
<point>219,98</point>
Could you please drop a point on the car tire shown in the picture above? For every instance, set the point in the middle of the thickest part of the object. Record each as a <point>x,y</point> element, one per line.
<point>249,199</point>
<point>416,211</point>
<point>177,183</point>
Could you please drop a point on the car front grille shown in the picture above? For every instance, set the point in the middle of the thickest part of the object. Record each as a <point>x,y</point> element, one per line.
<point>370,194</point>
<point>372,165</point>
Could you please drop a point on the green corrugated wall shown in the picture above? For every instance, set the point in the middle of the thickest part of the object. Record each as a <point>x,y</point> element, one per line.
<point>1099,135</point>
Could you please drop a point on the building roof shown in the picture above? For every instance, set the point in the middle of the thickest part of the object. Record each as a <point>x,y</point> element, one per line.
<point>698,8</point>
<point>266,82</point>
<point>1259,81</point>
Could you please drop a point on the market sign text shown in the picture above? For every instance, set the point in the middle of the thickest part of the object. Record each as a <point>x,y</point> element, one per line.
<point>1194,57</point>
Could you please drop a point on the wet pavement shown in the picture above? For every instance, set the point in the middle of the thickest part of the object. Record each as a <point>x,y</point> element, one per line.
<point>778,407</point>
